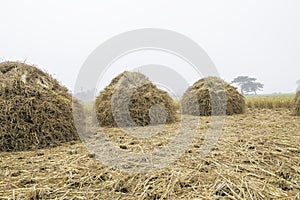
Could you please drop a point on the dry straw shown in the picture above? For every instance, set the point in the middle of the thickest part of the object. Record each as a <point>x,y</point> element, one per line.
<point>141,96</point>
<point>35,110</point>
<point>253,160</point>
<point>297,104</point>
<point>270,102</point>
<point>199,98</point>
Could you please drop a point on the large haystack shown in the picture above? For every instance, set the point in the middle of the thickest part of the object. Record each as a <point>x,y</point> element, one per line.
<point>35,111</point>
<point>297,104</point>
<point>212,92</point>
<point>132,100</point>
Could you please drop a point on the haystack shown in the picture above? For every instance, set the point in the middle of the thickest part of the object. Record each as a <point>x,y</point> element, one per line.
<point>132,100</point>
<point>297,104</point>
<point>35,110</point>
<point>212,92</point>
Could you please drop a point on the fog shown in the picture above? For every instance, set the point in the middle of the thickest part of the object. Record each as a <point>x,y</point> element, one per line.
<point>254,38</point>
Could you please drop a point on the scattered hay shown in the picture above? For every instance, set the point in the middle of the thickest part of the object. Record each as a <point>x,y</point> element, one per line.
<point>131,99</point>
<point>253,160</point>
<point>35,111</point>
<point>297,104</point>
<point>212,93</point>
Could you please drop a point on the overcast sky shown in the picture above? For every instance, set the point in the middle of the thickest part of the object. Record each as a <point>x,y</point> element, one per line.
<point>256,38</point>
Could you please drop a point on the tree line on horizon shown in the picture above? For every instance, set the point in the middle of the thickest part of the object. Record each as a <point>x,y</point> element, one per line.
<point>247,85</point>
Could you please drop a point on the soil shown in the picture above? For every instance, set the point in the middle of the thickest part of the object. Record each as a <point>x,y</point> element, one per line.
<point>256,157</point>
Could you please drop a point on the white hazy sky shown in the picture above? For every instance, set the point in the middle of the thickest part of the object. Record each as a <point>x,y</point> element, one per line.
<point>250,37</point>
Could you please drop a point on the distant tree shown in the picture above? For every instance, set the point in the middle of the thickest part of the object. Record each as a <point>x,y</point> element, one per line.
<point>298,88</point>
<point>248,84</point>
<point>253,87</point>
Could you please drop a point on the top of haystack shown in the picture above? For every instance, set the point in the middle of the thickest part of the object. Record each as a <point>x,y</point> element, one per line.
<point>212,96</point>
<point>132,100</point>
<point>20,73</point>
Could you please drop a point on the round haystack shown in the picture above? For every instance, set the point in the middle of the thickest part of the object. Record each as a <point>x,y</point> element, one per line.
<point>297,104</point>
<point>212,92</point>
<point>132,100</point>
<point>35,111</point>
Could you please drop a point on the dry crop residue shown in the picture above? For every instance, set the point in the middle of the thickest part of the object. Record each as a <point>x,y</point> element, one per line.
<point>35,110</point>
<point>257,157</point>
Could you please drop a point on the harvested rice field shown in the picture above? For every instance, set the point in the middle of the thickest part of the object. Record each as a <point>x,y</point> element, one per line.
<point>256,157</point>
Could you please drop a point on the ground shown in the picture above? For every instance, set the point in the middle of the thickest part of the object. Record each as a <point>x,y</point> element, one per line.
<point>256,157</point>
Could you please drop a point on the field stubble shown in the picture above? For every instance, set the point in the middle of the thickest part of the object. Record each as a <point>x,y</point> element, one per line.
<point>270,102</point>
<point>257,157</point>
